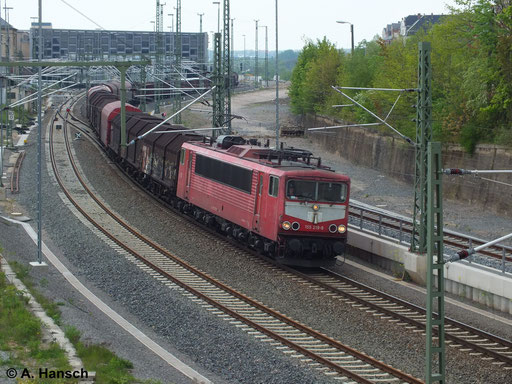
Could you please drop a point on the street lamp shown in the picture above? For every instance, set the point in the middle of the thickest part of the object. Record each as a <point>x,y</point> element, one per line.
<point>218,15</point>
<point>256,57</point>
<point>351,32</point>
<point>200,22</point>
<point>172,21</point>
<point>243,66</point>
<point>266,53</point>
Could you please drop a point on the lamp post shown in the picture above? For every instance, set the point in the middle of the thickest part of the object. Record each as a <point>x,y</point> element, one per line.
<point>243,66</point>
<point>266,54</point>
<point>200,22</point>
<point>351,32</point>
<point>170,36</point>
<point>256,57</point>
<point>172,21</point>
<point>218,15</point>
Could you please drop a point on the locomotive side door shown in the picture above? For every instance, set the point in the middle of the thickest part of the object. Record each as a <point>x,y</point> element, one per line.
<point>257,203</point>
<point>189,172</point>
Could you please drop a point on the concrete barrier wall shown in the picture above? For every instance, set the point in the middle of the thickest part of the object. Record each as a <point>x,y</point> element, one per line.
<point>394,157</point>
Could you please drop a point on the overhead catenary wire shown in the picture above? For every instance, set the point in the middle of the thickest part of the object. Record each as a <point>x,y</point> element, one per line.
<point>374,115</point>
<point>170,117</point>
<point>343,126</point>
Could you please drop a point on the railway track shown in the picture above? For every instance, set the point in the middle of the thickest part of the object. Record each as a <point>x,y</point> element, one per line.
<point>15,175</point>
<point>467,339</point>
<point>298,340</point>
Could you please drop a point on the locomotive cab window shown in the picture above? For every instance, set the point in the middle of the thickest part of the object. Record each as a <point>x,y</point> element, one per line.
<point>273,186</point>
<point>316,191</point>
<point>182,156</point>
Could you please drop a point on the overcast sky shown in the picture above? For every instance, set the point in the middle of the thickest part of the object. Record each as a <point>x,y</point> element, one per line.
<point>298,19</point>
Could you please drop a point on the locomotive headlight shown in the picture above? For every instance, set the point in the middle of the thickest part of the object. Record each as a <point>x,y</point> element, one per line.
<point>342,228</point>
<point>286,225</point>
<point>316,207</point>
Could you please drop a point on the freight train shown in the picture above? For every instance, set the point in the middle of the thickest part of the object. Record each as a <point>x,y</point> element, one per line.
<point>281,202</point>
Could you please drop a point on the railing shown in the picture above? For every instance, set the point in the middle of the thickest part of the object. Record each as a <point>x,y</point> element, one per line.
<point>394,227</point>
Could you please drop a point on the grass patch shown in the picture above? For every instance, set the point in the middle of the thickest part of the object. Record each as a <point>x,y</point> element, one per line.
<point>20,335</point>
<point>51,308</point>
<point>109,368</point>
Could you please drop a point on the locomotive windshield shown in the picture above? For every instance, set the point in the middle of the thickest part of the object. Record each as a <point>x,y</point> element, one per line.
<point>316,191</point>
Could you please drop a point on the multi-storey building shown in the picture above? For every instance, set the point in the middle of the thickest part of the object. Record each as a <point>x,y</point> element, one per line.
<point>408,26</point>
<point>76,44</point>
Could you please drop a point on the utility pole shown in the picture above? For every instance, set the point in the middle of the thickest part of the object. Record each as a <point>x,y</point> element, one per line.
<point>177,62</point>
<point>243,65</point>
<point>256,58</point>
<point>266,55</point>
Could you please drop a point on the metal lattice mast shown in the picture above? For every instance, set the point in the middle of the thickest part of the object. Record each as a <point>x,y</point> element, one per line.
<point>177,62</point>
<point>226,68</point>
<point>435,337</point>
<point>232,47</point>
<point>256,57</point>
<point>159,52</point>
<point>217,94</point>
<point>423,137</point>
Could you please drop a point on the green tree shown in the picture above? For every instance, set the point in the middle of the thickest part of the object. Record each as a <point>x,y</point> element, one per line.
<point>298,78</point>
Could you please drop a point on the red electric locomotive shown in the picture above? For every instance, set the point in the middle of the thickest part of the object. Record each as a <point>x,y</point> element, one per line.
<point>278,202</point>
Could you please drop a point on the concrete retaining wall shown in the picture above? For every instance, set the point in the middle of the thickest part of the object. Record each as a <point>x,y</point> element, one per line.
<point>394,157</point>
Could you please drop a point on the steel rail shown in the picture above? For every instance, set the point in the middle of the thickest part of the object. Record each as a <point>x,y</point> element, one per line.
<point>361,356</point>
<point>15,175</point>
<point>404,318</point>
